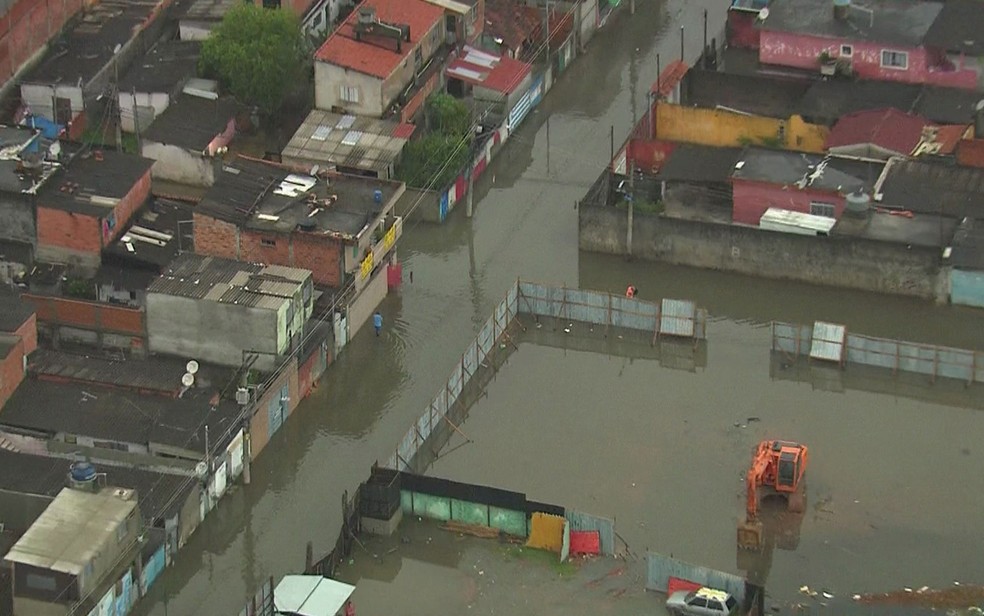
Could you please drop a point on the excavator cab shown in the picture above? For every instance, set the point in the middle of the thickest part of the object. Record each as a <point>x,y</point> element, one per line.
<point>777,468</point>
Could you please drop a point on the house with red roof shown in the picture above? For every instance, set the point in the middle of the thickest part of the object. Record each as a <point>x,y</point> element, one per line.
<point>489,78</point>
<point>373,61</point>
<point>884,133</point>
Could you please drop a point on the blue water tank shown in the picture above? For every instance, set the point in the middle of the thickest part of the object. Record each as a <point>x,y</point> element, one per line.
<point>83,471</point>
<point>377,196</point>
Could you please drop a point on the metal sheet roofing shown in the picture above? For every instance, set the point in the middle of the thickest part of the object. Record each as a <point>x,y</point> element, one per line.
<point>227,281</point>
<point>73,529</point>
<point>501,74</point>
<point>310,595</point>
<point>323,138</point>
<point>959,27</point>
<point>889,129</point>
<point>371,57</point>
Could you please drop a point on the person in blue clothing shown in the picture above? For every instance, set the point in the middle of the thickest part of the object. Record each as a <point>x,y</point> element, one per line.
<point>377,322</point>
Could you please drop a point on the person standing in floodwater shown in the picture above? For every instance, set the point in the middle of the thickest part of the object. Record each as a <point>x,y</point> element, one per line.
<point>377,322</point>
<point>631,291</point>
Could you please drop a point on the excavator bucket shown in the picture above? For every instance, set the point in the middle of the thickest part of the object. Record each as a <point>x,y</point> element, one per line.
<point>750,535</point>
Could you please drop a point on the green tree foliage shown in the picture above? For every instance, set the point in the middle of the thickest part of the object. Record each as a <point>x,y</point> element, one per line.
<point>448,115</point>
<point>257,53</point>
<point>436,159</point>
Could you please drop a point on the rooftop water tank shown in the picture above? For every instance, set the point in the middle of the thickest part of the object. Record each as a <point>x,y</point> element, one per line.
<point>82,476</point>
<point>377,196</point>
<point>857,203</point>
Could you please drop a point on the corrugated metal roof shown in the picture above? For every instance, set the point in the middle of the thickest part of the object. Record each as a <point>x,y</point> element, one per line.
<point>74,527</point>
<point>232,282</point>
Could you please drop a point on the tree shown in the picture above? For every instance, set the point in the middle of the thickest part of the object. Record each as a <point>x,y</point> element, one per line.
<point>436,159</point>
<point>448,115</point>
<point>257,53</point>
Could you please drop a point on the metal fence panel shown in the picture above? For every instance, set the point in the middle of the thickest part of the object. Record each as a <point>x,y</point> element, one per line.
<point>508,521</point>
<point>580,521</point>
<point>565,546</point>
<point>955,363</point>
<point>469,513</point>
<point>660,568</point>
<point>432,507</point>
<point>678,318</point>
<point>872,351</point>
<point>469,361</point>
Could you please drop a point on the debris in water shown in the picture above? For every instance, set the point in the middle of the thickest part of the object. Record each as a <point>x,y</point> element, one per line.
<point>827,594</point>
<point>907,589</point>
<point>567,330</point>
<point>953,597</point>
<point>538,326</point>
<point>856,597</point>
<point>753,419</point>
<point>922,589</point>
<point>481,572</point>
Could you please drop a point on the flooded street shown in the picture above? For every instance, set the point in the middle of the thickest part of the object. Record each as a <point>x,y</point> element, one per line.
<point>525,225</point>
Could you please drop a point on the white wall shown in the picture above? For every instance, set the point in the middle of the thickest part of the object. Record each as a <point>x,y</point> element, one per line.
<point>150,104</point>
<point>367,301</point>
<point>38,98</point>
<point>328,80</point>
<point>176,164</point>
<point>194,30</point>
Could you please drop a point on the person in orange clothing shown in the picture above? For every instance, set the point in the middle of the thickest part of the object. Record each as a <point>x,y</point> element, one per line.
<point>631,291</point>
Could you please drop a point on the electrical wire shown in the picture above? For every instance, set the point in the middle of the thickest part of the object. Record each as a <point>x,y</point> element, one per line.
<point>279,373</point>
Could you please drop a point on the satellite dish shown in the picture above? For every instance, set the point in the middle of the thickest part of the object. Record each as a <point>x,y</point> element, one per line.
<point>201,469</point>
<point>315,169</point>
<point>980,105</point>
<point>192,367</point>
<point>188,379</point>
<point>763,14</point>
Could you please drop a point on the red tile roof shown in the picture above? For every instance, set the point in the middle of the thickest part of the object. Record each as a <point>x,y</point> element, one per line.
<point>404,130</point>
<point>949,135</point>
<point>488,71</point>
<point>891,129</point>
<point>379,58</point>
<point>513,22</point>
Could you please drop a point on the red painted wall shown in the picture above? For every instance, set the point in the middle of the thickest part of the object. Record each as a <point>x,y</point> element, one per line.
<point>802,50</point>
<point>649,155</point>
<point>752,199</point>
<point>86,315</point>
<point>28,332</point>
<point>741,30</point>
<point>970,152</point>
<point>125,209</point>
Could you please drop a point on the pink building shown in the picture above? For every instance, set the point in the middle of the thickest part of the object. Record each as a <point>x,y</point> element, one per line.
<point>883,40</point>
<point>806,183</point>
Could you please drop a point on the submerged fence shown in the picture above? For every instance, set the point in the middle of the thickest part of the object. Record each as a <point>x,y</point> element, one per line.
<point>660,568</point>
<point>833,343</point>
<point>669,317</point>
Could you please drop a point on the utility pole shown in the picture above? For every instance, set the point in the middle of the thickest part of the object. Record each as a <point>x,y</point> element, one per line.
<point>548,144</point>
<point>631,7</point>
<point>628,231</point>
<point>652,102</point>
<point>116,102</point>
<point>706,50</point>
<point>136,119</point>
<point>681,44</point>
<point>469,198</point>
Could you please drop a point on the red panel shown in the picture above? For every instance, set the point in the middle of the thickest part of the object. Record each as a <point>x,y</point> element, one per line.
<point>650,155</point>
<point>741,30</point>
<point>461,186</point>
<point>585,542</point>
<point>394,275</point>
<point>677,584</point>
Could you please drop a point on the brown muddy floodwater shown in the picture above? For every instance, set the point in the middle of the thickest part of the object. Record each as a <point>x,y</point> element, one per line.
<point>895,486</point>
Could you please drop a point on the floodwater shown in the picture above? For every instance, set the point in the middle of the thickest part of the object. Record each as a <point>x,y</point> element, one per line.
<point>525,225</point>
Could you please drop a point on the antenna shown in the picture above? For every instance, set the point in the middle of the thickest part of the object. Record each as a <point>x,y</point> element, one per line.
<point>763,14</point>
<point>188,379</point>
<point>192,367</point>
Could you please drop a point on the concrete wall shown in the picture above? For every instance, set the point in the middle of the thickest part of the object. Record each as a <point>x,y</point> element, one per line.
<point>368,300</point>
<point>836,261</point>
<point>803,51</point>
<point>328,81</point>
<point>967,288</point>
<point>403,76</point>
<point>752,199</point>
<point>176,164</point>
<point>18,510</point>
<point>723,128</point>
<point>149,105</point>
<point>38,97</point>
<point>17,219</point>
<point>210,331</point>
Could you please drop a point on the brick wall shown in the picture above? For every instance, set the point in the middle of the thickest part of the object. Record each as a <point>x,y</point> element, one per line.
<point>215,237</point>
<point>11,372</point>
<point>752,199</point>
<point>87,315</point>
<point>129,204</point>
<point>28,332</point>
<point>73,233</point>
<point>27,27</point>
<point>323,256</point>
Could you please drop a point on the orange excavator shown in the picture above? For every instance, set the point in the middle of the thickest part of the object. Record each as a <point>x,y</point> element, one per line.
<point>777,468</point>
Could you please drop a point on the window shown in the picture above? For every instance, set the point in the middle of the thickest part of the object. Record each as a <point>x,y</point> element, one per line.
<point>268,243</point>
<point>823,209</point>
<point>846,51</point>
<point>418,58</point>
<point>349,94</point>
<point>699,602</point>
<point>894,59</point>
<point>41,582</point>
<point>121,532</point>
<point>714,606</point>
